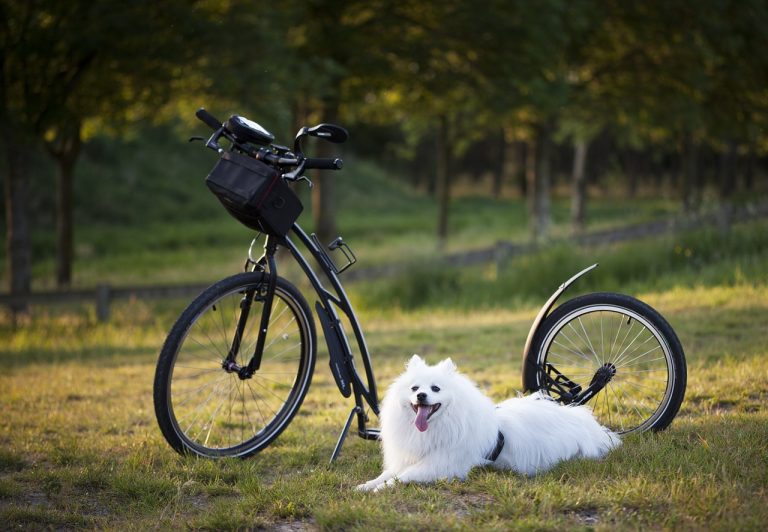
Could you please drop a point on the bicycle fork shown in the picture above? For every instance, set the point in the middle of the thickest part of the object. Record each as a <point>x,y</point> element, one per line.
<point>229,364</point>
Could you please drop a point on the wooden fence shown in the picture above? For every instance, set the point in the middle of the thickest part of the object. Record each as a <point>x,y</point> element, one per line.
<point>103,295</point>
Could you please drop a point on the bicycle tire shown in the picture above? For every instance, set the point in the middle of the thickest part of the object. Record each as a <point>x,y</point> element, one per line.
<point>203,409</point>
<point>648,386</point>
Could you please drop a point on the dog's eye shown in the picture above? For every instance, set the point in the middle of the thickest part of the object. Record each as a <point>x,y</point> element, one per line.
<point>435,389</point>
<point>414,388</point>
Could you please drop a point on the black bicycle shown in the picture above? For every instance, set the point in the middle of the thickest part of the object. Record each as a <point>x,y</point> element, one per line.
<point>238,362</point>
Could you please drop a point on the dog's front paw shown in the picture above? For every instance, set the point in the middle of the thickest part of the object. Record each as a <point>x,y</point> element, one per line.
<point>371,485</point>
<point>377,485</point>
<point>385,485</point>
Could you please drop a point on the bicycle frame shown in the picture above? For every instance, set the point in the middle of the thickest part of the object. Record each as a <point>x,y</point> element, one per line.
<point>342,362</point>
<point>328,303</point>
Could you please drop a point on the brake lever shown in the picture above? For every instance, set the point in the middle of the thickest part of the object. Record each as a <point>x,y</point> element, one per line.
<point>305,178</point>
<point>193,139</point>
<point>295,175</point>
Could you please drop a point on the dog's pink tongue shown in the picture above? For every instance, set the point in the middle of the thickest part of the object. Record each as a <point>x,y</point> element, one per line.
<point>421,417</point>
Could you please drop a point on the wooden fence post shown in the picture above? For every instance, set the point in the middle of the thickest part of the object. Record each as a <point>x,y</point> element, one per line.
<point>102,302</point>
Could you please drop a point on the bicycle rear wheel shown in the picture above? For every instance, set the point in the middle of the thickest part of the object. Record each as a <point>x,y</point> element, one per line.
<point>203,408</point>
<point>617,338</point>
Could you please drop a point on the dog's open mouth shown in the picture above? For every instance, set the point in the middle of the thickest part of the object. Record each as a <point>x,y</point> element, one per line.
<point>423,413</point>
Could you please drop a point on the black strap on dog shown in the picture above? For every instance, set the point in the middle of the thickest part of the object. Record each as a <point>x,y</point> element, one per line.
<point>496,450</point>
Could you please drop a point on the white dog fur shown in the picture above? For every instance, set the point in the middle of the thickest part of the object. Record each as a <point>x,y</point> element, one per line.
<point>423,442</point>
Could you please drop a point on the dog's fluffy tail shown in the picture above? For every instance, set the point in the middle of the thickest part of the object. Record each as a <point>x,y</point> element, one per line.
<point>603,443</point>
<point>596,440</point>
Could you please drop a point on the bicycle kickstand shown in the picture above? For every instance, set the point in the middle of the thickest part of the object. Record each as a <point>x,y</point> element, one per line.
<point>337,450</point>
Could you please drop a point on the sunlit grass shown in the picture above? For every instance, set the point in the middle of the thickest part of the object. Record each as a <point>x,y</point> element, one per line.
<point>79,445</point>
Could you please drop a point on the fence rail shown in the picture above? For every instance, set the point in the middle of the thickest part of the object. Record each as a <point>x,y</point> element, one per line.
<point>103,295</point>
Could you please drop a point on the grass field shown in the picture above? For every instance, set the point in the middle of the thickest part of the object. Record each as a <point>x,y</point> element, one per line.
<point>79,446</point>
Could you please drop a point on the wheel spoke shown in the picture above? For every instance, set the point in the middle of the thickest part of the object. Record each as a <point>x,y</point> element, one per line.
<point>586,337</point>
<point>639,346</point>
<point>630,345</point>
<point>630,362</point>
<point>570,362</point>
<point>576,352</point>
<point>620,407</point>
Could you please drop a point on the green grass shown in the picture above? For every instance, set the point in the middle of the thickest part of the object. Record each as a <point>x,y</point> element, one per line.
<point>79,446</point>
<point>704,257</point>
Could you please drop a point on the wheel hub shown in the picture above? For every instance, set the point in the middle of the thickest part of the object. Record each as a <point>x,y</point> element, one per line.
<point>603,375</point>
<point>232,367</point>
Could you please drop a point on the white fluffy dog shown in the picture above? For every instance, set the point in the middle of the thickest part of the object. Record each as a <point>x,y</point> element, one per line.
<point>436,424</point>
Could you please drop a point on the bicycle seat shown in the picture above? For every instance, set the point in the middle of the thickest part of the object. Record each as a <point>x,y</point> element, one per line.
<point>248,131</point>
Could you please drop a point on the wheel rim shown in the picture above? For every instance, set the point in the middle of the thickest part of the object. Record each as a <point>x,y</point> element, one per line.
<point>600,336</point>
<point>218,413</point>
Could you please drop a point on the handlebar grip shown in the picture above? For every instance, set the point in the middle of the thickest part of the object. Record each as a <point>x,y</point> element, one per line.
<point>210,120</point>
<point>322,163</point>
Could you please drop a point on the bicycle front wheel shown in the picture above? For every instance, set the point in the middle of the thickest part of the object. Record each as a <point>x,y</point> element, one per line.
<point>203,408</point>
<point>617,338</point>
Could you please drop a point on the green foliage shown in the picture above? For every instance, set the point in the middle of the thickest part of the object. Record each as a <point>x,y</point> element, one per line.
<point>705,257</point>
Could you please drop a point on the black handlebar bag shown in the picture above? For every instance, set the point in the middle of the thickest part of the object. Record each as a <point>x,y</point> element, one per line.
<point>254,193</point>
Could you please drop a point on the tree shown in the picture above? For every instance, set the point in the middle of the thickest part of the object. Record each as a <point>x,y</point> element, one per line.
<point>66,63</point>
<point>436,86</point>
<point>330,47</point>
<point>663,82</point>
<point>536,82</point>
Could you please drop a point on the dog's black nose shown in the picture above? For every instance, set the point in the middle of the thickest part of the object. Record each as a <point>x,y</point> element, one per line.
<point>421,396</point>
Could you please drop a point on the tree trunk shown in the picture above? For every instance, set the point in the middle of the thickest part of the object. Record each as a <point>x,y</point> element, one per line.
<point>531,150</point>
<point>18,247</point>
<point>443,181</point>
<point>323,191</point>
<point>65,150</point>
<point>689,173</point>
<point>299,111</point>
<point>539,179</point>
<point>500,172</point>
<point>632,169</point>
<point>521,172</point>
<point>579,187</point>
<point>728,171</point>
<point>749,167</point>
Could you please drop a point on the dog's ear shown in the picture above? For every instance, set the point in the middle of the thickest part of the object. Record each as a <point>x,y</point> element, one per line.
<point>415,362</point>
<point>447,365</point>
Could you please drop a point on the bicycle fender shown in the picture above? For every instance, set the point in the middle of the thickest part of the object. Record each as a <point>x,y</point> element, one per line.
<point>544,312</point>
<point>331,331</point>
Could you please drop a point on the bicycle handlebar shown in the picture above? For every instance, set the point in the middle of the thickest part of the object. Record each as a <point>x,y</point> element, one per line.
<point>322,163</point>
<point>208,118</point>
<point>265,154</point>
